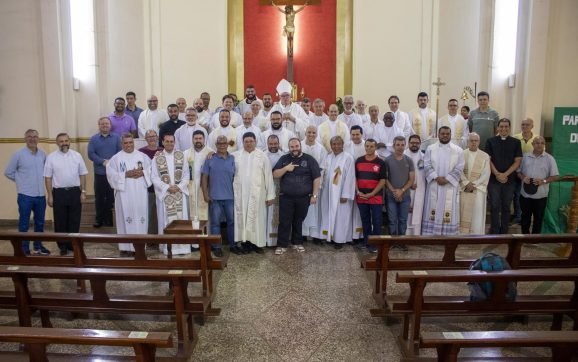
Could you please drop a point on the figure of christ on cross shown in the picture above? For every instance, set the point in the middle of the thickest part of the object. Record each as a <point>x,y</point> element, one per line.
<point>289,28</point>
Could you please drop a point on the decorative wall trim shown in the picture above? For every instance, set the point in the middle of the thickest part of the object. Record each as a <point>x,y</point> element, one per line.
<point>235,47</point>
<point>344,48</point>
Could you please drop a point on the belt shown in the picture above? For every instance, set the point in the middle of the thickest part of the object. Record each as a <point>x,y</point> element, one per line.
<point>66,188</point>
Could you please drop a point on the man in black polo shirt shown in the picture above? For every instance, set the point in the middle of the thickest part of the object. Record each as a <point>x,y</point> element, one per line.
<point>300,178</point>
<point>505,157</point>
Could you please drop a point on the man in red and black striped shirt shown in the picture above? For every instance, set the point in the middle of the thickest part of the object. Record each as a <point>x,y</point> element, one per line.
<point>370,175</point>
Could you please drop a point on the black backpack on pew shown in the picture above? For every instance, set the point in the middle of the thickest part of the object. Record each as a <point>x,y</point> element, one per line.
<point>490,262</point>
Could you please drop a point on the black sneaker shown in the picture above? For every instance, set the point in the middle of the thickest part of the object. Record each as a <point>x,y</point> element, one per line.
<point>338,246</point>
<point>218,253</point>
<point>63,252</point>
<point>235,250</point>
<point>258,250</point>
<point>247,247</point>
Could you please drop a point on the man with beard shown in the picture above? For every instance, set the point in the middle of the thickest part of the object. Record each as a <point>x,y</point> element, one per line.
<point>274,154</point>
<point>331,128</point>
<point>278,130</point>
<point>182,104</point>
<point>423,119</point>
<point>172,125</point>
<point>338,195</point>
<point>443,165</point>
<point>206,97</point>
<point>250,96</point>
<point>170,177</point>
<point>121,122</point>
<point>235,118</point>
<point>312,221</point>
<point>249,126</point>
<point>203,116</point>
<point>226,130</point>
<point>267,104</point>
<point>292,115</point>
<point>300,177</point>
<point>349,117</point>
<point>318,116</point>
<point>306,105</point>
<point>456,123</point>
<point>417,190</point>
<point>151,149</point>
<point>401,119</point>
<point>65,181</point>
<point>129,174</point>
<point>152,117</point>
<point>184,135</point>
<point>254,190</point>
<point>385,136</point>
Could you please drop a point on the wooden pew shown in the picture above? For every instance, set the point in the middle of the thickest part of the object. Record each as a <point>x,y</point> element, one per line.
<point>382,263</point>
<point>563,344</point>
<point>206,263</point>
<point>416,305</point>
<point>102,300</point>
<point>143,343</point>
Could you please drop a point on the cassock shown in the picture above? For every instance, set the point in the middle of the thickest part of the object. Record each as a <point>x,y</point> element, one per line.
<point>184,136</point>
<point>130,195</point>
<point>252,187</point>
<point>301,120</point>
<point>350,120</point>
<point>241,130</point>
<point>417,196</point>
<point>151,120</point>
<point>370,129</point>
<point>330,129</point>
<point>273,210</point>
<point>423,123</point>
<point>315,120</point>
<point>229,132</point>
<point>197,205</point>
<point>171,169</point>
<point>441,213</point>
<point>473,204</point>
<point>386,135</point>
<point>339,182</point>
<point>312,222</point>
<point>284,136</point>
<point>402,121</point>
<point>459,127</point>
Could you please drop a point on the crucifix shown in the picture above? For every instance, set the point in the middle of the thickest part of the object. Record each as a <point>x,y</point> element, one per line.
<point>438,84</point>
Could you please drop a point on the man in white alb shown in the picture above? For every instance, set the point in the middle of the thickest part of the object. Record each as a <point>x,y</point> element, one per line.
<point>249,126</point>
<point>184,135</point>
<point>331,128</point>
<point>152,117</point>
<point>318,115</point>
<point>195,158</point>
<point>423,120</point>
<point>401,118</point>
<point>456,123</point>
<point>277,129</point>
<point>385,136</point>
<point>417,190</point>
<point>235,118</point>
<point>225,129</point>
<point>373,124</point>
<point>310,146</point>
<point>273,154</point>
<point>349,117</point>
<point>356,145</point>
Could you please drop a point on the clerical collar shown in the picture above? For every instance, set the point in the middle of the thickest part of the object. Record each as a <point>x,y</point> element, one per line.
<point>503,138</point>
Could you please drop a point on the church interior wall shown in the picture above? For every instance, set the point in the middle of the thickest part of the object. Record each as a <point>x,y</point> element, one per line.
<point>178,48</point>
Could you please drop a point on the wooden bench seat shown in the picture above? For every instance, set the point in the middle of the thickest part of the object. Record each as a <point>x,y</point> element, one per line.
<point>416,305</point>
<point>563,344</point>
<point>102,300</point>
<point>383,263</point>
<point>143,343</point>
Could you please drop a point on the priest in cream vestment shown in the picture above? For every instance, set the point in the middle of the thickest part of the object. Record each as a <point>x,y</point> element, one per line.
<point>313,148</point>
<point>456,123</point>
<point>128,173</point>
<point>423,120</point>
<point>417,191</point>
<point>473,186</point>
<point>195,158</point>
<point>331,128</point>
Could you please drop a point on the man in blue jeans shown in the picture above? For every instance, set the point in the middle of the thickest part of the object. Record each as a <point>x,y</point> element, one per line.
<point>26,168</point>
<point>217,185</point>
<point>400,178</point>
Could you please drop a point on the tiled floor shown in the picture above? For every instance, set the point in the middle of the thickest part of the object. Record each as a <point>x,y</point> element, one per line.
<point>311,306</point>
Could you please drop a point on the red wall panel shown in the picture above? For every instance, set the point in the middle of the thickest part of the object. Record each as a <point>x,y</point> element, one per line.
<point>314,48</point>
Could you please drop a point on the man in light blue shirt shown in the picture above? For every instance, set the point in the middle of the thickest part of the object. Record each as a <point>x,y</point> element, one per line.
<point>26,169</point>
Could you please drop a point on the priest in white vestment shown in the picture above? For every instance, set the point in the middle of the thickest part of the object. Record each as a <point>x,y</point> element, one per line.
<point>310,146</point>
<point>128,173</point>
<point>356,146</point>
<point>331,128</point>
<point>293,117</point>
<point>401,119</point>
<point>443,166</point>
<point>338,195</point>
<point>385,136</point>
<point>235,118</point>
<point>456,123</point>
<point>254,190</point>
<point>273,153</point>
<point>249,126</point>
<point>195,158</point>
<point>318,115</point>
<point>423,120</point>
<point>225,129</point>
<point>250,97</point>
<point>349,117</point>
<point>151,118</point>
<point>267,105</point>
<point>417,191</point>
<point>184,135</point>
<point>259,120</point>
<point>170,177</point>
<point>473,186</point>
<point>360,110</point>
<point>203,116</point>
<point>278,130</point>
<point>372,126</point>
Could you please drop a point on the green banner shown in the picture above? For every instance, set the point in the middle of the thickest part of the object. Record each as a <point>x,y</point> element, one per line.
<point>565,151</point>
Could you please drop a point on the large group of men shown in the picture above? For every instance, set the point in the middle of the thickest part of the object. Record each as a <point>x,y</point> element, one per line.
<point>281,173</point>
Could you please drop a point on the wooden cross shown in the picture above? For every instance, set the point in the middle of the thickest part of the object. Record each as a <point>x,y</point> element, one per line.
<point>438,84</point>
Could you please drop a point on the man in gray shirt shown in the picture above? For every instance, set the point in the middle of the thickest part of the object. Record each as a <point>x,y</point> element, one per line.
<point>483,120</point>
<point>537,171</point>
<point>26,169</point>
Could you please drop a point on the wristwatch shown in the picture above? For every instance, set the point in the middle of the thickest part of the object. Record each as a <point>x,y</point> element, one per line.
<point>83,191</point>
<point>544,181</point>
<point>314,196</point>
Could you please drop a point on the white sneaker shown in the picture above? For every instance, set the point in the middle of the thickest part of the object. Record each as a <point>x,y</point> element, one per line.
<point>280,251</point>
<point>299,248</point>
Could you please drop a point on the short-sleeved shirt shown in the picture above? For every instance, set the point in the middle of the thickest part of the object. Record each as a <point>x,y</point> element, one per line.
<point>299,182</point>
<point>122,124</point>
<point>484,124</point>
<point>398,171</point>
<point>503,153</point>
<point>527,146</point>
<point>368,173</point>
<point>221,171</point>
<point>65,169</point>
<point>541,166</point>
